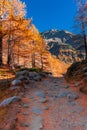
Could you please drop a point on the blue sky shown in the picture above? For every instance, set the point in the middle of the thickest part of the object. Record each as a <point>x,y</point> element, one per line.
<point>52,14</point>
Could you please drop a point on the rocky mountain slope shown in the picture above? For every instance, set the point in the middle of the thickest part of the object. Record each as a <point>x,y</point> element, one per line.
<point>66,46</point>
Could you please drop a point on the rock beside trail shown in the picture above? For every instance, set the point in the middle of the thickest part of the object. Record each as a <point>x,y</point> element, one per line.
<point>85,74</point>
<point>40,94</point>
<point>72,96</point>
<point>25,77</point>
<point>85,69</point>
<point>9,100</point>
<point>16,82</point>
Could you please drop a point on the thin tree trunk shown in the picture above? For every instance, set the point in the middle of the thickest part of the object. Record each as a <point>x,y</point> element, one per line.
<point>33,60</point>
<point>0,42</point>
<point>9,55</point>
<point>84,37</point>
<point>41,62</point>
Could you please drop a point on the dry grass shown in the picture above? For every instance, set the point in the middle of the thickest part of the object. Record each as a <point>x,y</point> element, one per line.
<point>6,76</point>
<point>3,113</point>
<point>75,74</point>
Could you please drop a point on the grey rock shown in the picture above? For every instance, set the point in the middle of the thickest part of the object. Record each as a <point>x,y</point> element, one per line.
<point>16,82</point>
<point>32,74</point>
<point>26,105</point>
<point>37,110</point>
<point>67,86</point>
<point>85,74</point>
<point>37,78</point>
<point>37,123</point>
<point>18,110</point>
<point>72,103</point>
<point>21,73</point>
<point>64,94</point>
<point>85,69</point>
<point>26,86</point>
<point>21,94</point>
<point>85,127</point>
<point>72,97</point>
<point>25,125</point>
<point>46,108</point>
<point>9,100</point>
<point>43,100</point>
<point>40,94</point>
<point>15,88</point>
<point>21,77</point>
<point>20,106</point>
<point>77,84</point>
<point>42,74</point>
<point>31,97</point>
<point>25,113</point>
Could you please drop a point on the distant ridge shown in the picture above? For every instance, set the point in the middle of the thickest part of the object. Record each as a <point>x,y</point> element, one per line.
<point>66,46</point>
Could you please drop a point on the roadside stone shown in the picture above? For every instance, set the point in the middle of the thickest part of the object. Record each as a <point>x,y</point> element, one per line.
<point>21,94</point>
<point>9,100</point>
<point>43,100</point>
<point>72,103</point>
<point>16,82</point>
<point>15,88</point>
<point>72,96</point>
<point>25,113</point>
<point>31,97</point>
<point>21,77</point>
<point>67,86</point>
<point>46,108</point>
<point>37,78</point>
<point>26,86</point>
<point>37,123</point>
<point>85,74</point>
<point>85,69</point>
<point>76,84</point>
<point>40,94</point>
<point>26,106</point>
<point>64,94</point>
<point>37,110</point>
<point>25,125</point>
<point>18,111</point>
<point>21,73</point>
<point>19,106</point>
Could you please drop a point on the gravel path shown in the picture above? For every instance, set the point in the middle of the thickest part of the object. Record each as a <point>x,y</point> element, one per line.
<point>52,105</point>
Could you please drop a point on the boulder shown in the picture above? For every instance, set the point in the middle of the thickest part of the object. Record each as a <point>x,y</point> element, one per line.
<point>85,69</point>
<point>37,78</point>
<point>72,96</point>
<point>9,100</point>
<point>15,88</point>
<point>16,82</point>
<point>32,74</point>
<point>85,74</point>
<point>21,73</point>
<point>40,94</point>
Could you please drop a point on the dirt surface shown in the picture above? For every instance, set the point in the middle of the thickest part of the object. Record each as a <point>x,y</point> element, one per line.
<point>47,105</point>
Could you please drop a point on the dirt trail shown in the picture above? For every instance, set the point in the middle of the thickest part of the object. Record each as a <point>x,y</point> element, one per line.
<point>50,104</point>
<point>46,105</point>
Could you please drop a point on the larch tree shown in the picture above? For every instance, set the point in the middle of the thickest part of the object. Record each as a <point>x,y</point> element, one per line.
<point>12,13</point>
<point>81,19</point>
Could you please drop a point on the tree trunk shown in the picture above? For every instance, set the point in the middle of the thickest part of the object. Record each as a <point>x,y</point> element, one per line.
<point>84,37</point>
<point>0,42</point>
<point>9,55</point>
<point>33,60</point>
<point>41,62</point>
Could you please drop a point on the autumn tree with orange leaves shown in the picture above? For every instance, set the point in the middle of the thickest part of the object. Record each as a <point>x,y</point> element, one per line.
<point>12,24</point>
